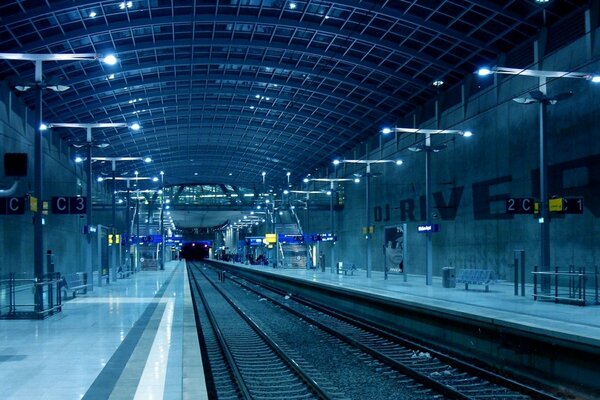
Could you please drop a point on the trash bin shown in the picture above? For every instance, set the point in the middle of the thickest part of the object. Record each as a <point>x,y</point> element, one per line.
<point>448,277</point>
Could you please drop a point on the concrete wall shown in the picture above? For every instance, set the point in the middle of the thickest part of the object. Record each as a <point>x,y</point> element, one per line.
<point>62,177</point>
<point>472,177</point>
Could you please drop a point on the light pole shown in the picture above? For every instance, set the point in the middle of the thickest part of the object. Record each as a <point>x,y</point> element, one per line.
<point>37,85</point>
<point>331,192</point>
<point>162,212</point>
<point>88,144</point>
<point>113,161</point>
<point>428,149</point>
<point>129,228</point>
<point>368,175</point>
<point>540,97</point>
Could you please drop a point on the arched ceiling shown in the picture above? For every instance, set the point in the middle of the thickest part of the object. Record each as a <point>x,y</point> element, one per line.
<point>227,89</point>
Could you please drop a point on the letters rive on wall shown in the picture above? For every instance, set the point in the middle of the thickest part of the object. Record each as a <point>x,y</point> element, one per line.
<point>487,193</point>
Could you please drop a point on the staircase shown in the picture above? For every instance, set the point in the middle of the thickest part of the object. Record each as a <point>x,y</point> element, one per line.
<point>290,256</point>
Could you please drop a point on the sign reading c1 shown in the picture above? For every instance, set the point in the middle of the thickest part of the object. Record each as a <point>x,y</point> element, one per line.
<point>69,205</point>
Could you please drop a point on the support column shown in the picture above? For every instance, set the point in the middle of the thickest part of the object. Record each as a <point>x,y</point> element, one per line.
<point>428,237</point>
<point>368,218</point>
<point>38,223</point>
<point>88,189</point>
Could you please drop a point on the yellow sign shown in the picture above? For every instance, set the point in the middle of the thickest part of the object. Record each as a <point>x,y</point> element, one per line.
<point>117,239</point>
<point>536,207</point>
<point>270,238</point>
<point>33,204</point>
<point>556,204</point>
<point>370,229</point>
<point>110,239</point>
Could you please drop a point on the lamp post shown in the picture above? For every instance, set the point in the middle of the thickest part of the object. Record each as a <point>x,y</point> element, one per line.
<point>331,193</point>
<point>162,226</point>
<point>113,161</point>
<point>88,144</point>
<point>129,228</point>
<point>38,84</point>
<point>540,97</point>
<point>368,175</point>
<point>428,149</point>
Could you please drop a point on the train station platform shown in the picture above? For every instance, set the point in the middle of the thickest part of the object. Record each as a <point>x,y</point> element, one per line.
<point>499,305</point>
<point>555,345</point>
<point>125,340</point>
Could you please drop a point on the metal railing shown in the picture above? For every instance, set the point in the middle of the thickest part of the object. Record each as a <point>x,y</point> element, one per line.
<point>30,298</point>
<point>571,286</point>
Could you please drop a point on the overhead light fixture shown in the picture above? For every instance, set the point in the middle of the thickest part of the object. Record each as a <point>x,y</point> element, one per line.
<point>263,173</point>
<point>399,162</point>
<point>43,127</point>
<point>147,160</point>
<point>110,59</point>
<point>111,76</point>
<point>293,6</point>
<point>595,79</point>
<point>336,162</point>
<point>58,88</point>
<point>438,83</point>
<point>485,71</point>
<point>93,14</point>
<point>135,126</point>
<point>386,131</point>
<point>100,179</point>
<point>155,179</point>
<point>78,159</point>
<point>467,134</point>
<point>356,180</point>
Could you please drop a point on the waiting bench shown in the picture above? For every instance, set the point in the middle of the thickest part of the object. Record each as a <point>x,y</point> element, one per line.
<point>348,268</point>
<point>476,277</point>
<point>73,283</point>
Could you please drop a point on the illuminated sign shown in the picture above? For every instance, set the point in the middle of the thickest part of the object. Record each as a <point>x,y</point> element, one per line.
<point>429,228</point>
<point>270,238</point>
<point>290,238</point>
<point>254,241</point>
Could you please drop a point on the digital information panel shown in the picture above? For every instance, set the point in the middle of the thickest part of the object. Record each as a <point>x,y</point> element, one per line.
<point>254,241</point>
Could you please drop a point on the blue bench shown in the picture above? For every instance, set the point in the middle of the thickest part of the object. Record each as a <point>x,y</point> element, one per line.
<point>73,283</point>
<point>476,277</point>
<point>349,268</point>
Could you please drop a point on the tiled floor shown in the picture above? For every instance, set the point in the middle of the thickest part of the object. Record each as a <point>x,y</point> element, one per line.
<point>121,341</point>
<point>498,305</point>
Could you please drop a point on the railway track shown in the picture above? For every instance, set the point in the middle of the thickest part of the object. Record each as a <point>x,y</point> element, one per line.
<point>401,367</point>
<point>245,362</point>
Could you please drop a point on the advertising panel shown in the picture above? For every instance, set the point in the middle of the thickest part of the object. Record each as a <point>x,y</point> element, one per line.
<point>394,248</point>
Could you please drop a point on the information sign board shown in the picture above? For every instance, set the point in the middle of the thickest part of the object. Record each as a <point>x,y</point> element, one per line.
<point>12,205</point>
<point>520,205</point>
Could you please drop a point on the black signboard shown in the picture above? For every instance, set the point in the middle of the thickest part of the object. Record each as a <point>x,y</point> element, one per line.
<point>520,205</point>
<point>69,205</point>
<point>12,205</point>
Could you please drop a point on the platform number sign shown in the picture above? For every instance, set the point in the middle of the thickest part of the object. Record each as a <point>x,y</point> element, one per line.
<point>12,205</point>
<point>69,205</point>
<point>520,205</point>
